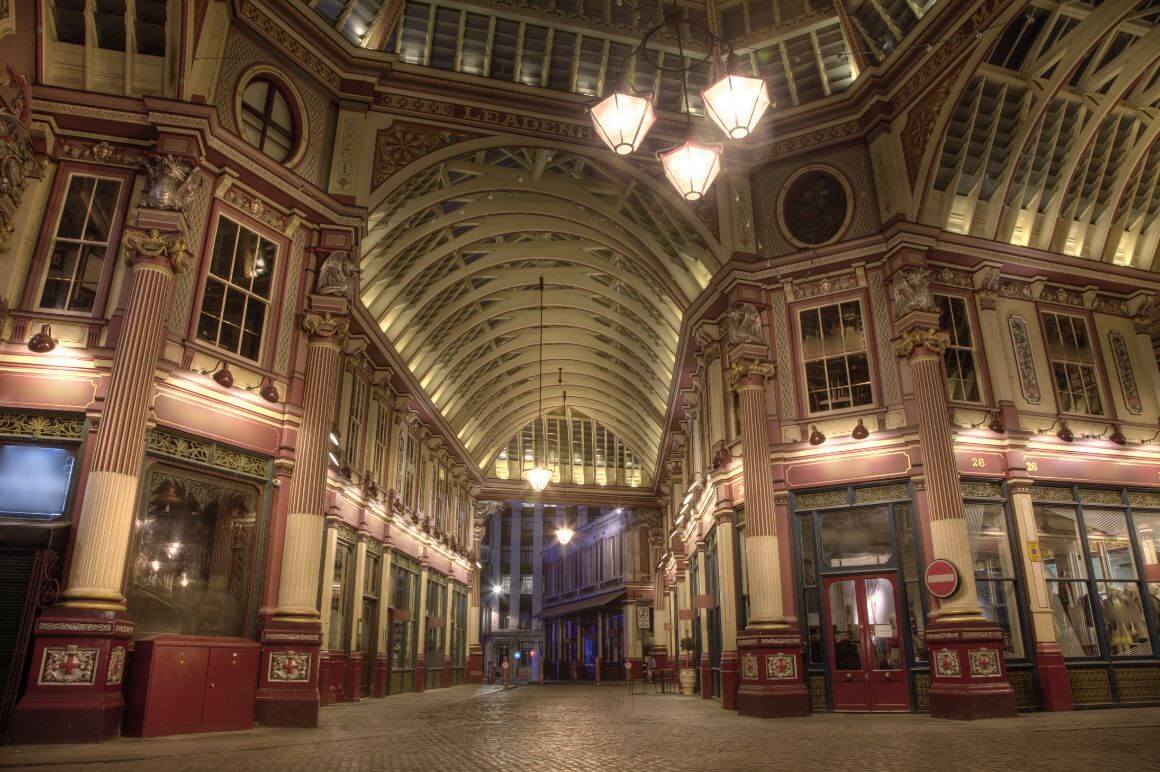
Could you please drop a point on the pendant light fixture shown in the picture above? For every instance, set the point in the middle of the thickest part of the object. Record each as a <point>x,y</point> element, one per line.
<point>539,475</point>
<point>734,102</point>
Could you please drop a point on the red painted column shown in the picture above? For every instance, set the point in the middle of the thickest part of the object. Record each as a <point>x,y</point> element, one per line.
<point>770,648</point>
<point>968,672</point>
<point>292,637</point>
<point>78,657</point>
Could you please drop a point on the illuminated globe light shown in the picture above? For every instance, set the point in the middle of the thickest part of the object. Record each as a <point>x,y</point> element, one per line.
<point>736,103</point>
<point>622,120</point>
<point>564,534</point>
<point>538,477</point>
<point>691,168</point>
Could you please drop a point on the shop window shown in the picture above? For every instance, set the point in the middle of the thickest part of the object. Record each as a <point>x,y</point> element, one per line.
<point>80,245</point>
<point>340,586</point>
<point>267,119</point>
<point>192,558</point>
<point>526,587</point>
<point>237,290</point>
<point>1092,557</point>
<point>959,356</point>
<point>995,571</point>
<point>908,551</point>
<point>1072,364</point>
<point>836,362</point>
<point>1065,569</point>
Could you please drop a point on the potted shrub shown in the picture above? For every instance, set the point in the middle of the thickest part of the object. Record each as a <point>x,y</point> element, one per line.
<point>688,674</point>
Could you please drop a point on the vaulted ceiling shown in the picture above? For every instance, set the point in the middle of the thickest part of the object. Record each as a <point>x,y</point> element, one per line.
<point>451,266</point>
<point>1051,141</point>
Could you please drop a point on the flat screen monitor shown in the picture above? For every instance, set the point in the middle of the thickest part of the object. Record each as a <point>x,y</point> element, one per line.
<point>34,481</point>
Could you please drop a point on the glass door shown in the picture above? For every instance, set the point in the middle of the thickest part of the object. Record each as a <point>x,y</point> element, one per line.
<point>867,656</point>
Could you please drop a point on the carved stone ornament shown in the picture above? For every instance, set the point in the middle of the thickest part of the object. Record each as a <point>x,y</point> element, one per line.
<point>325,325</point>
<point>742,324</point>
<point>172,181</point>
<point>747,368</point>
<point>934,341</point>
<point>338,276</point>
<point>912,292</point>
<point>17,161</point>
<point>157,245</point>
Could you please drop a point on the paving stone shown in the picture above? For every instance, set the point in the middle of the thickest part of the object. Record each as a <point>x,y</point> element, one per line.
<point>604,728</point>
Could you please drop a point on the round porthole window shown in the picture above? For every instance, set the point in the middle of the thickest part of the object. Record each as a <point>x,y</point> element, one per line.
<point>268,120</point>
<point>815,207</point>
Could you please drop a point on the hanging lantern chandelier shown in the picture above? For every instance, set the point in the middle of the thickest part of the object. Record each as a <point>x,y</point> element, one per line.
<point>734,102</point>
<point>540,475</point>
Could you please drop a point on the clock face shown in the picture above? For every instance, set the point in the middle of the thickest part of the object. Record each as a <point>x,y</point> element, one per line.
<point>815,207</point>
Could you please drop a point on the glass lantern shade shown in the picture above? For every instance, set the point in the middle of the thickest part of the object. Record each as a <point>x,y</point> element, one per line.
<point>736,103</point>
<point>691,168</point>
<point>622,121</point>
<point>539,476</point>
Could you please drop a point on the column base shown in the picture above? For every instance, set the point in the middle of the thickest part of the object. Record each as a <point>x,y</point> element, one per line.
<point>354,669</point>
<point>1054,683</point>
<point>730,679</point>
<point>75,678</point>
<point>706,678</point>
<point>968,673</point>
<point>474,664</point>
<point>288,680</point>
<point>771,675</point>
<point>382,676</point>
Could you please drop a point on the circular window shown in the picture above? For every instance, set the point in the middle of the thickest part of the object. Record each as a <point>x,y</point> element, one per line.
<point>815,207</point>
<point>268,122</point>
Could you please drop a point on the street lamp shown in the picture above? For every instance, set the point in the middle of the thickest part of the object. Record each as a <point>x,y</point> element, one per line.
<point>564,534</point>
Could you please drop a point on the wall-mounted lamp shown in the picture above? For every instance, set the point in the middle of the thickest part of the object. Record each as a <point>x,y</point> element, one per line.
<point>1064,432</point>
<point>816,437</point>
<point>42,342</point>
<point>860,431</point>
<point>268,391</point>
<point>996,424</point>
<point>223,376</point>
<point>334,438</point>
<point>1117,435</point>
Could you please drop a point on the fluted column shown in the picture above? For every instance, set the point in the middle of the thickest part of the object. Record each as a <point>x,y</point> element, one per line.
<point>421,642</point>
<point>968,671</point>
<point>89,628</point>
<point>383,636</point>
<point>1054,684</point>
<point>770,648</point>
<point>761,541</point>
<point>118,450</point>
<point>726,568</point>
<point>298,585</point>
<point>923,348</point>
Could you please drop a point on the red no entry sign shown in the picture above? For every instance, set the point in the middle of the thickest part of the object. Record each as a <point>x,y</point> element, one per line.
<point>942,578</point>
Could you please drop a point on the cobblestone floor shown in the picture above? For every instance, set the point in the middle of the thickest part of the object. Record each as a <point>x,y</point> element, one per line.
<point>603,728</point>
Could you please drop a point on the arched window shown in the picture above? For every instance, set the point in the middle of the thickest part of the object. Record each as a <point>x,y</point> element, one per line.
<point>268,122</point>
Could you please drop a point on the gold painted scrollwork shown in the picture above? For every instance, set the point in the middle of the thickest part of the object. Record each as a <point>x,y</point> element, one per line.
<point>157,245</point>
<point>750,368</point>
<point>326,325</point>
<point>934,341</point>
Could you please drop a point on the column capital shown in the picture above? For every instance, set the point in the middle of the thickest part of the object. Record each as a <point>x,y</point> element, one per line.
<point>750,373</point>
<point>916,340</point>
<point>1020,484</point>
<point>325,325</point>
<point>156,246</point>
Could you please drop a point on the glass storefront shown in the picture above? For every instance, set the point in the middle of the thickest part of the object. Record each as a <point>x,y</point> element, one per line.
<point>191,561</point>
<point>404,609</point>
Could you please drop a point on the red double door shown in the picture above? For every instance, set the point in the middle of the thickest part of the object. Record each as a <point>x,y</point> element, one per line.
<point>867,655</point>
